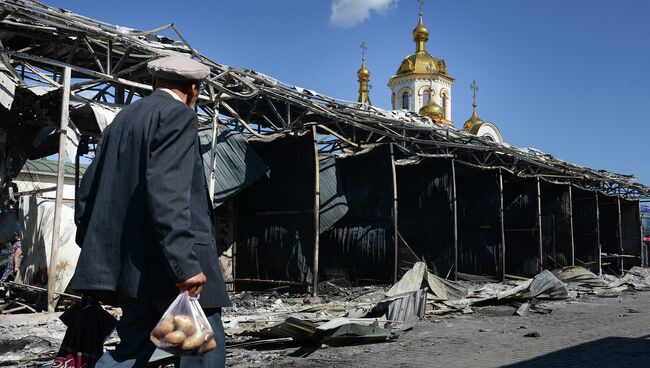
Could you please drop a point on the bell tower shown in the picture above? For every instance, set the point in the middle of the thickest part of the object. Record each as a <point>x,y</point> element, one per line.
<point>422,79</point>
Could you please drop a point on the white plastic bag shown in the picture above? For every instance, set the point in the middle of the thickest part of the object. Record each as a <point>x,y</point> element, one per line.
<point>184,328</point>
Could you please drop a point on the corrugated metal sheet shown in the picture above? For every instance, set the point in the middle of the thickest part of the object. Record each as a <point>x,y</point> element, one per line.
<point>521,225</point>
<point>409,307</point>
<point>333,204</point>
<point>275,219</point>
<point>50,167</point>
<point>585,229</point>
<point>479,220</point>
<point>426,217</point>
<point>363,239</point>
<point>237,164</point>
<point>7,87</point>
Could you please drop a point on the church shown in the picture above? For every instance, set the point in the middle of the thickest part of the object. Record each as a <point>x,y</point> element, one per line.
<point>422,85</point>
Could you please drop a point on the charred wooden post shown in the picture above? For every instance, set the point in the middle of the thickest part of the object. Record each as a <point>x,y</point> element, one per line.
<point>539,224</point>
<point>600,247</point>
<point>51,272</point>
<point>620,235</point>
<point>502,247</point>
<point>395,230</point>
<point>316,215</point>
<point>455,209</point>
<point>573,238</point>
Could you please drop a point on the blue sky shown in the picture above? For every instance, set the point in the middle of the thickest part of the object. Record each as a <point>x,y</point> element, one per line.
<point>568,77</point>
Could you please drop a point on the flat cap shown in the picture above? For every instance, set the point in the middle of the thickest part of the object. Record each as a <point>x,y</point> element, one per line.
<point>178,68</point>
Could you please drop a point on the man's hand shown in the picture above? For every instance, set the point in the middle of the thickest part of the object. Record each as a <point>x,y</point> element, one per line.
<point>193,285</point>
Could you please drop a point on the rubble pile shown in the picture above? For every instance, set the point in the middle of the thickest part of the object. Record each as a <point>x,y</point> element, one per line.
<point>271,324</point>
<point>264,325</point>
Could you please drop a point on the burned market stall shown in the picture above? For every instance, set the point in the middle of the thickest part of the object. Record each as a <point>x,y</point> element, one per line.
<point>609,228</point>
<point>585,229</point>
<point>288,210</point>
<point>275,216</point>
<point>480,235</point>
<point>360,247</point>
<point>521,225</point>
<point>426,217</point>
<point>237,166</point>
<point>631,230</point>
<point>557,234</point>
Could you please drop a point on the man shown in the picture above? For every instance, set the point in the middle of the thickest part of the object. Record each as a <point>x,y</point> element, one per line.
<point>16,257</point>
<point>143,217</point>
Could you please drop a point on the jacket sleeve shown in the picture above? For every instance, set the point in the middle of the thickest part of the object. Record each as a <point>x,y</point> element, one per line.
<point>169,181</point>
<point>85,198</point>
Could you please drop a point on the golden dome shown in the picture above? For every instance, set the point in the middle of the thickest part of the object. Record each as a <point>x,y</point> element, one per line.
<point>421,62</point>
<point>433,111</point>
<point>474,120</point>
<point>420,32</point>
<point>418,63</point>
<point>363,73</point>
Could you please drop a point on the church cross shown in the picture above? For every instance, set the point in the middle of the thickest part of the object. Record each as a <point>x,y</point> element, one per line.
<point>474,87</point>
<point>363,50</point>
<point>421,4</point>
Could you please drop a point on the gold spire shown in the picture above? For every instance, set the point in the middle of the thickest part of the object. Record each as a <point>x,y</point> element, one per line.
<point>474,119</point>
<point>420,33</point>
<point>417,62</point>
<point>363,75</point>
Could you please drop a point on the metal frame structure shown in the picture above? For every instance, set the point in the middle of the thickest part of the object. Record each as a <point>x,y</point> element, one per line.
<point>107,64</point>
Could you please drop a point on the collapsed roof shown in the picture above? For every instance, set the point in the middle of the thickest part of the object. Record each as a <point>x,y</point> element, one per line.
<point>108,64</point>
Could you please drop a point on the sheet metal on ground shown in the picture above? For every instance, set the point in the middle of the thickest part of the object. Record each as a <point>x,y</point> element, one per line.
<point>521,224</point>
<point>631,225</point>
<point>556,226</point>
<point>426,215</point>
<point>479,224</point>
<point>585,229</point>
<point>275,218</point>
<point>363,239</point>
<point>609,232</point>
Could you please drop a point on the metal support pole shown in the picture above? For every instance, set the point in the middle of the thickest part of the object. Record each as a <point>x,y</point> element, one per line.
<point>539,225</point>
<point>644,249</point>
<point>316,212</point>
<point>598,247</point>
<point>213,147</point>
<point>573,244</point>
<point>119,95</point>
<point>502,247</point>
<point>455,208</point>
<point>76,173</point>
<point>51,274</point>
<point>620,234</point>
<point>109,57</point>
<point>395,228</point>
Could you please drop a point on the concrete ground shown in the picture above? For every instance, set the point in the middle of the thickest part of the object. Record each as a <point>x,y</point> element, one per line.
<point>589,332</point>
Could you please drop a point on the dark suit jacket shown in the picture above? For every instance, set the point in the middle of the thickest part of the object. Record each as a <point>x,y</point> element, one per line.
<point>142,213</point>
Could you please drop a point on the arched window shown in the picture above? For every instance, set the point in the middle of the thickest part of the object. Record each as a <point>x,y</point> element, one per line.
<point>443,98</point>
<point>426,97</point>
<point>405,100</point>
